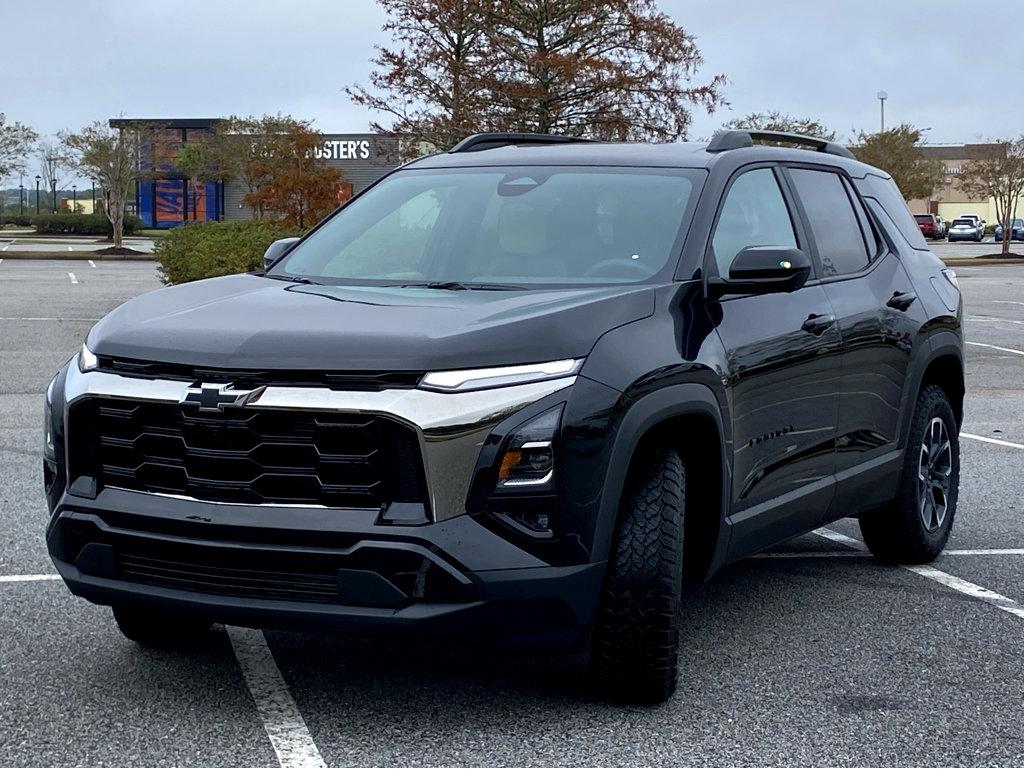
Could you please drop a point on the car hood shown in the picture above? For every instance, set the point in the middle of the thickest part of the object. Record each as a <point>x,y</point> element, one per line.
<point>246,321</point>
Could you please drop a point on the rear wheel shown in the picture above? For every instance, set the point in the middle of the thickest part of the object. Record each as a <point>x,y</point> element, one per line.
<point>635,638</point>
<point>161,630</point>
<point>914,529</point>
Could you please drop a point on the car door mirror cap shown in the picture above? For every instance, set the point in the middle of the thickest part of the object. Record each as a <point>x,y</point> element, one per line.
<point>276,250</point>
<point>763,270</point>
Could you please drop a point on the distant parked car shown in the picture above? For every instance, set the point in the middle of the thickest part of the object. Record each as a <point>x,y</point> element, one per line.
<point>1016,231</point>
<point>930,226</point>
<point>966,229</point>
<point>976,219</point>
<point>943,227</point>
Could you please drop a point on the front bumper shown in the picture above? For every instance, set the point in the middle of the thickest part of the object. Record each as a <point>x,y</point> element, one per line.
<point>315,568</point>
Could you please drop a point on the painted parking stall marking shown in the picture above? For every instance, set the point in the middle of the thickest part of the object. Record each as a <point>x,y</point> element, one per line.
<point>996,441</point>
<point>281,718</point>
<point>996,347</point>
<point>74,280</point>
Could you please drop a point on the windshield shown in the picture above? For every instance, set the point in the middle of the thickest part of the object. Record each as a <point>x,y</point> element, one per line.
<point>506,227</point>
<point>923,217</point>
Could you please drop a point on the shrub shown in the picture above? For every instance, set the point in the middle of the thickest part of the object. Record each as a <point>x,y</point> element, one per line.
<point>208,249</point>
<point>81,224</point>
<point>18,220</point>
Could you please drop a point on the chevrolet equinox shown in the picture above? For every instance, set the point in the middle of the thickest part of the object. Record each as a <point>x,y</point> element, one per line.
<point>529,388</point>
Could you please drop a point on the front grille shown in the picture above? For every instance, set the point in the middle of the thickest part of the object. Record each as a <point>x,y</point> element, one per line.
<point>203,578</point>
<point>252,378</point>
<point>247,455</point>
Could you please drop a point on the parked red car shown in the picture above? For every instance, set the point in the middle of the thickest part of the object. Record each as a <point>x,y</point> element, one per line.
<point>930,226</point>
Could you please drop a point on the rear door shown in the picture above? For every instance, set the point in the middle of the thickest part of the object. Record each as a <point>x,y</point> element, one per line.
<point>782,371</point>
<point>879,316</point>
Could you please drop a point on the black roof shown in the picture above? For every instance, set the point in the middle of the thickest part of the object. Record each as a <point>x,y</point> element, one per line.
<point>674,155</point>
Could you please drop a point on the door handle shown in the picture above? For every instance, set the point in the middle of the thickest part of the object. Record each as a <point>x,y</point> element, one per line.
<point>902,300</point>
<point>818,324</point>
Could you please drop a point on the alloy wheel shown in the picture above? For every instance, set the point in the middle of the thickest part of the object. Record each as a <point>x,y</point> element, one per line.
<point>934,475</point>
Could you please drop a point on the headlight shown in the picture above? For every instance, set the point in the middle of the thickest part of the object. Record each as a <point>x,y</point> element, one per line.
<point>950,275</point>
<point>86,360</point>
<point>484,378</point>
<point>49,448</point>
<point>528,462</point>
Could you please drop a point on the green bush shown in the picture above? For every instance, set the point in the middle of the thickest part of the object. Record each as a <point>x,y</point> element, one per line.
<point>80,224</point>
<point>208,249</point>
<point>18,220</point>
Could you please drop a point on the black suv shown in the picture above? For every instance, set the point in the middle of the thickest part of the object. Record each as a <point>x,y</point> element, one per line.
<point>529,387</point>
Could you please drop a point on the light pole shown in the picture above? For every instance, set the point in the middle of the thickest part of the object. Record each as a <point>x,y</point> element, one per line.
<point>53,183</point>
<point>21,198</point>
<point>74,198</point>
<point>38,177</point>
<point>93,183</point>
<point>882,96</point>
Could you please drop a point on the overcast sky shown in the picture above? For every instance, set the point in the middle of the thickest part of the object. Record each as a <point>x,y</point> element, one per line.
<point>69,62</point>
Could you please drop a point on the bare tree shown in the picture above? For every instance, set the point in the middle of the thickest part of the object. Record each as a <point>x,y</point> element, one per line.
<point>430,87</point>
<point>609,69</point>
<point>999,176</point>
<point>112,156</point>
<point>54,163</point>
<point>16,142</point>
<point>773,120</point>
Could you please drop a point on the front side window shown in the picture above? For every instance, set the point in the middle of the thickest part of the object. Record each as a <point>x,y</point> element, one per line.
<point>834,223</point>
<point>517,227</point>
<point>754,213</point>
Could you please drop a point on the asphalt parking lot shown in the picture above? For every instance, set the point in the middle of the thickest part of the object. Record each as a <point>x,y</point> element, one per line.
<point>813,655</point>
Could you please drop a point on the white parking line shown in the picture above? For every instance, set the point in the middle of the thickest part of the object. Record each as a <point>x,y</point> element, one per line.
<point>281,718</point>
<point>73,278</point>
<point>997,347</point>
<point>969,588</point>
<point>1007,301</point>
<point>865,554</point>
<point>992,440</point>
<point>70,249</point>
<point>930,572</point>
<point>986,319</point>
<point>92,263</point>
<point>76,320</point>
<point>29,577</point>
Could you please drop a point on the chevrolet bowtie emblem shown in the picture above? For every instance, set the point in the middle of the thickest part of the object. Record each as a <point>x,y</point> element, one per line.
<point>217,397</point>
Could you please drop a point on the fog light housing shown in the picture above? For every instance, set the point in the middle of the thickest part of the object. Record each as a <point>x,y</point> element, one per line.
<point>528,462</point>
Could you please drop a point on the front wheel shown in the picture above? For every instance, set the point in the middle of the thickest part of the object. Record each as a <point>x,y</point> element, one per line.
<point>635,639</point>
<point>915,528</point>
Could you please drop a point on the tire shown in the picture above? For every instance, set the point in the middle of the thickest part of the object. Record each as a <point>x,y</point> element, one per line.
<point>635,637</point>
<point>915,528</point>
<point>161,630</point>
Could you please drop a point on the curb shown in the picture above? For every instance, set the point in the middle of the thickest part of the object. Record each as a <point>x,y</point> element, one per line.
<point>980,261</point>
<point>76,256</point>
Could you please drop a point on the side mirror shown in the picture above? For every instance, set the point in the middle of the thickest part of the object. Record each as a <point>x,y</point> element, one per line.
<point>763,270</point>
<point>276,250</point>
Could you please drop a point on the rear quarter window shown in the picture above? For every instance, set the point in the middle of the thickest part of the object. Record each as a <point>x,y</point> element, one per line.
<point>888,196</point>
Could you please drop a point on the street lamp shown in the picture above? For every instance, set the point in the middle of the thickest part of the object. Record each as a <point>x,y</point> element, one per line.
<point>74,198</point>
<point>21,198</point>
<point>93,183</point>
<point>38,177</point>
<point>882,96</point>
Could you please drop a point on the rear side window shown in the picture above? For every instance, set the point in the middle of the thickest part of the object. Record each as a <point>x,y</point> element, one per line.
<point>885,191</point>
<point>754,213</point>
<point>834,223</point>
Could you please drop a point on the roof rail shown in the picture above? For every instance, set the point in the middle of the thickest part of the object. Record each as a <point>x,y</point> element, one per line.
<point>488,141</point>
<point>736,138</point>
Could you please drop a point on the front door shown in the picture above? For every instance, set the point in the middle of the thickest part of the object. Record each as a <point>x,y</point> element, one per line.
<point>782,371</point>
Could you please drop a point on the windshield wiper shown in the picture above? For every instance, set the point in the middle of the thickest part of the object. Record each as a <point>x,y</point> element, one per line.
<point>454,285</point>
<point>292,279</point>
